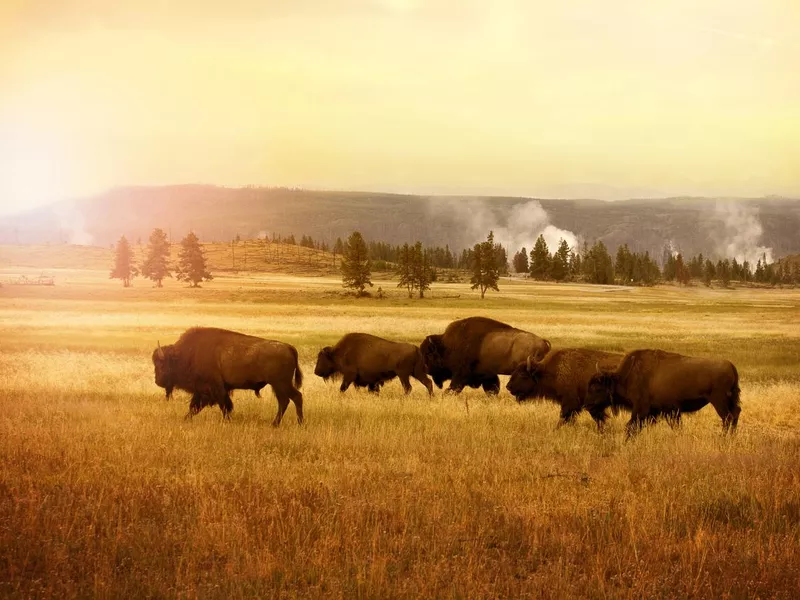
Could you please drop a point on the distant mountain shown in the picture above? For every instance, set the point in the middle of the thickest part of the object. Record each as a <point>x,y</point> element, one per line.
<point>690,225</point>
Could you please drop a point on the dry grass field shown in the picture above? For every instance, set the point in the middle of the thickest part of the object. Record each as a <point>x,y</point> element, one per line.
<point>105,490</point>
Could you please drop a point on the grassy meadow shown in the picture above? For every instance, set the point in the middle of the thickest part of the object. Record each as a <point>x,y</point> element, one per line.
<point>105,490</point>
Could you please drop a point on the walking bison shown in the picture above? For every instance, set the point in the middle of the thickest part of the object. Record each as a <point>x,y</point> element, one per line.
<point>369,361</point>
<point>654,383</point>
<point>563,376</point>
<point>474,351</point>
<point>209,363</point>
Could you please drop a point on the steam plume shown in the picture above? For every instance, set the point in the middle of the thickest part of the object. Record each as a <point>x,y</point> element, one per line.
<point>741,232</point>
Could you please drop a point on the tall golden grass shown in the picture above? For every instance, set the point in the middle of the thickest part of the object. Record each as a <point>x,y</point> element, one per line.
<point>105,491</point>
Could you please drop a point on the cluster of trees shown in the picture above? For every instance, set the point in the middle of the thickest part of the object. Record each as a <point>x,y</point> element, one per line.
<point>191,266</point>
<point>592,265</point>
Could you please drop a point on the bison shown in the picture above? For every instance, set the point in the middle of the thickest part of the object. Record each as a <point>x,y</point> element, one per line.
<point>654,383</point>
<point>369,361</point>
<point>563,376</point>
<point>209,363</point>
<point>474,351</point>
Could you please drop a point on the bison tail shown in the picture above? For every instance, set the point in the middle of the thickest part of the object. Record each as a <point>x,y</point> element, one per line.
<point>298,377</point>
<point>735,400</point>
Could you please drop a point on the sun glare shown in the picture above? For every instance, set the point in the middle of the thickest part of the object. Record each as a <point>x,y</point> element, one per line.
<point>34,170</point>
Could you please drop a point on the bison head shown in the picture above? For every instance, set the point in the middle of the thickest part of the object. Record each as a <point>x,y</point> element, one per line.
<point>602,389</point>
<point>432,350</point>
<point>326,364</point>
<point>164,364</point>
<point>524,381</point>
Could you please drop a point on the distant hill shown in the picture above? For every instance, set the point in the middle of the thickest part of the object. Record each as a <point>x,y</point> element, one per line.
<point>247,255</point>
<point>690,225</point>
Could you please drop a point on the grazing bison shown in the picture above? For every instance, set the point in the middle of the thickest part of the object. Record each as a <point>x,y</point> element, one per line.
<point>654,383</point>
<point>474,351</point>
<point>563,376</point>
<point>369,361</point>
<point>210,363</point>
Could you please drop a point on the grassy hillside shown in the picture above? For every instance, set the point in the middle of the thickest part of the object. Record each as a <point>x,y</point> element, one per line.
<point>254,256</point>
<point>220,214</point>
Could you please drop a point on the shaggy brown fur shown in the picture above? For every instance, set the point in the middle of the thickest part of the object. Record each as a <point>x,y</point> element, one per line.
<point>209,363</point>
<point>369,361</point>
<point>476,350</point>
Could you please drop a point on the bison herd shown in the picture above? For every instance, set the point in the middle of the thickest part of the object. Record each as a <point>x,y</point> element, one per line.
<point>209,363</point>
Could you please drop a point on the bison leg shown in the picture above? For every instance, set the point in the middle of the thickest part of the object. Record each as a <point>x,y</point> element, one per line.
<point>283,404</point>
<point>673,418</point>
<point>347,381</point>
<point>599,415</point>
<point>567,416</point>
<point>404,381</point>
<point>491,385</point>
<point>634,426</point>
<point>226,406</point>
<point>297,398</point>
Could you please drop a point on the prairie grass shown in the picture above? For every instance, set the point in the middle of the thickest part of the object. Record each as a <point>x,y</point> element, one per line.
<point>105,490</point>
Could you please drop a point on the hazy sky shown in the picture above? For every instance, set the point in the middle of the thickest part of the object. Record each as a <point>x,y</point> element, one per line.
<point>574,98</point>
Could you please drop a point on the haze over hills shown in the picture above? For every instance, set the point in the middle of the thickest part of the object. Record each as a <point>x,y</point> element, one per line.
<point>716,227</point>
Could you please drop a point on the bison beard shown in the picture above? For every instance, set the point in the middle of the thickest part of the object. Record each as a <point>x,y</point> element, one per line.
<point>210,363</point>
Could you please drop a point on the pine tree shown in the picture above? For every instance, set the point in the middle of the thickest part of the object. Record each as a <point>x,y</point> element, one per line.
<point>192,266</point>
<point>484,266</point>
<point>540,259</point>
<point>404,269</point>
<point>709,273</point>
<point>521,261</point>
<point>356,265</point>
<point>681,272</point>
<point>155,266</point>
<point>124,268</point>
<point>421,269</point>
<point>560,264</point>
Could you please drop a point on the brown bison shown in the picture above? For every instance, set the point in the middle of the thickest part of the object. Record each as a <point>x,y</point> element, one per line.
<point>654,383</point>
<point>474,351</point>
<point>369,361</point>
<point>209,363</point>
<point>563,376</point>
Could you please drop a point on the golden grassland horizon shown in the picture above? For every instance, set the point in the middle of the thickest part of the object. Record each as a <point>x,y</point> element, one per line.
<point>108,492</point>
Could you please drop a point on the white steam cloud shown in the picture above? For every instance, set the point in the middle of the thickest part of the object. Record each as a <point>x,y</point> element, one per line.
<point>519,228</point>
<point>73,224</point>
<point>741,232</point>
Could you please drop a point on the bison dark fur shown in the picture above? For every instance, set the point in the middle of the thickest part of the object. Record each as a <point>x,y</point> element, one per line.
<point>474,351</point>
<point>209,363</point>
<point>369,361</point>
<point>654,383</point>
<point>563,376</point>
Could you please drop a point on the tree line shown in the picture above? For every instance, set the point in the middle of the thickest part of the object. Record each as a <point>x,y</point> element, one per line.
<point>191,266</point>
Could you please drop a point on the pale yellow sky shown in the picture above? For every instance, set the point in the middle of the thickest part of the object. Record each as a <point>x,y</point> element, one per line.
<point>575,98</point>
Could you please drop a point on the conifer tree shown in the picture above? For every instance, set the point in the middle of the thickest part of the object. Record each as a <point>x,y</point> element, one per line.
<point>559,269</point>
<point>155,266</point>
<point>540,259</point>
<point>485,273</point>
<point>356,265</point>
<point>421,269</point>
<point>404,271</point>
<point>124,268</point>
<point>521,261</point>
<point>192,266</point>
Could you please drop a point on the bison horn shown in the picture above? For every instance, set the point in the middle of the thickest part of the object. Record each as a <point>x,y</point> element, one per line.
<point>597,366</point>
<point>160,351</point>
<point>529,362</point>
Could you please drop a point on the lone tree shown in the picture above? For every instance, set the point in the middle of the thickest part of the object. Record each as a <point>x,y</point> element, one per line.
<point>192,262</point>
<point>356,266</point>
<point>559,264</point>
<point>484,266</point>
<point>421,269</point>
<point>155,266</point>
<point>404,271</point>
<point>123,263</point>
